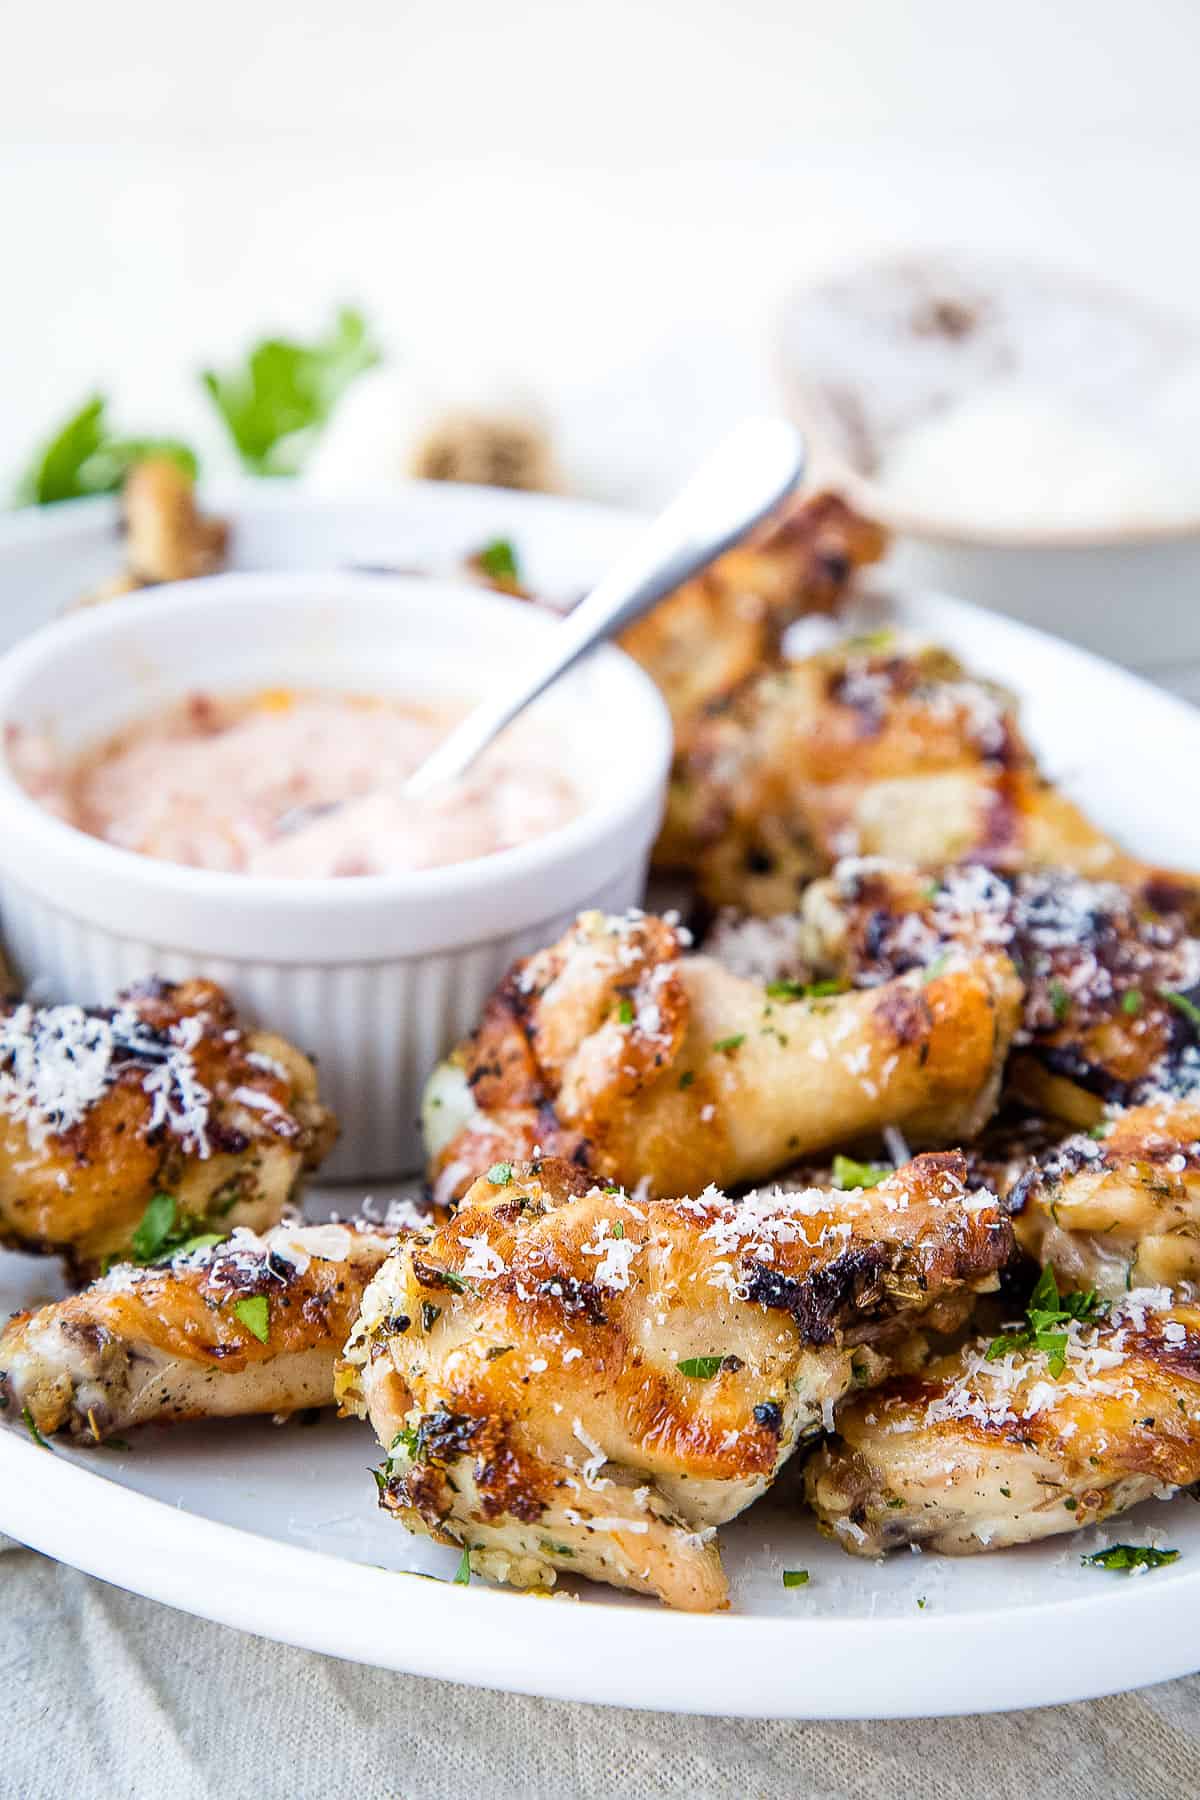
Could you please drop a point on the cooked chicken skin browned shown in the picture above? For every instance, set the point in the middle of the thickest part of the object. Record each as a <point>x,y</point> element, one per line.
<point>712,633</point>
<point>1121,1211</point>
<point>974,1454</point>
<point>179,1341</point>
<point>167,537</point>
<point>1107,1017</point>
<point>881,746</point>
<point>164,1093</point>
<point>567,1378</point>
<point>654,1069</point>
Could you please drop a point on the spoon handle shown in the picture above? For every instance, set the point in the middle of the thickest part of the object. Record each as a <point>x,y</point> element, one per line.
<point>749,474</point>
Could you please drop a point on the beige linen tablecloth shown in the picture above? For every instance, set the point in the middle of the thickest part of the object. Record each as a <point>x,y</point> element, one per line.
<point>105,1694</point>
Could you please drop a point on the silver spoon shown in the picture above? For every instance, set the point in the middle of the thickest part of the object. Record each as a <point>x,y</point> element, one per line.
<point>752,471</point>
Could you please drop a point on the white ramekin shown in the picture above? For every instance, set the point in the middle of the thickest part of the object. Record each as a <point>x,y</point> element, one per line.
<point>375,975</point>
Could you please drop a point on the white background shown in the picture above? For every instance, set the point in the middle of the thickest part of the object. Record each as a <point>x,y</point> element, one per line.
<point>604,200</point>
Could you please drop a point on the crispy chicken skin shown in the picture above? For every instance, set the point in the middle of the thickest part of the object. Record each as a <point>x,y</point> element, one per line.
<point>1122,1211</point>
<point>165,1093</point>
<point>647,1067</point>
<point>522,1366</point>
<point>1107,1016</point>
<point>167,1342</point>
<point>713,632</point>
<point>167,537</point>
<point>975,1454</point>
<point>882,746</point>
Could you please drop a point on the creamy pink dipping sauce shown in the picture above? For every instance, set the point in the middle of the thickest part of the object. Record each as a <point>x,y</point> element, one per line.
<point>299,785</point>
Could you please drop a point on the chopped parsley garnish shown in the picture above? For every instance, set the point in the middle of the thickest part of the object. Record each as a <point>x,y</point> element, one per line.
<point>850,1174</point>
<point>921,1603</point>
<point>203,1241</point>
<point>158,1224</point>
<point>430,1314</point>
<point>278,400</point>
<point>802,990</point>
<point>498,1350</point>
<point>254,1313</point>
<point>1181,1003</point>
<point>700,1368</point>
<point>795,1578</point>
<point>618,1229</point>
<point>1130,1556</point>
<point>406,1440</point>
<point>500,1174</point>
<point>1132,1001</point>
<point>83,457</point>
<point>1046,1316</point>
<point>1101,1130</point>
<point>462,1577</point>
<point>936,967</point>
<point>557,1549</point>
<point>1060,1000</point>
<point>687,1078</point>
<point>730,1043</point>
<point>625,1012</point>
<point>454,1282</point>
<point>31,1428</point>
<point>499,560</point>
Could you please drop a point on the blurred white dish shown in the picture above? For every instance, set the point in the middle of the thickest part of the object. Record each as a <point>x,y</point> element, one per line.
<point>276,1532</point>
<point>376,976</point>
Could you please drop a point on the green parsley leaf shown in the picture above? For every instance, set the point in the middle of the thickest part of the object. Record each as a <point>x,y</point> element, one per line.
<point>921,1603</point>
<point>499,560</point>
<point>795,1578</point>
<point>687,1078</point>
<point>1130,1556</point>
<point>82,458</point>
<point>935,968</point>
<point>1045,1316</point>
<point>700,1368</point>
<point>1181,1003</point>
<point>1132,1001</point>
<point>462,1576</point>
<point>625,1012</point>
<point>31,1427</point>
<point>406,1440</point>
<point>618,1229</point>
<point>849,1174</point>
<point>802,990</point>
<point>1060,1000</point>
<point>277,402</point>
<point>557,1549</point>
<point>1101,1130</point>
<point>500,1174</point>
<point>203,1241</point>
<point>730,1043</point>
<point>255,1315</point>
<point>155,1228</point>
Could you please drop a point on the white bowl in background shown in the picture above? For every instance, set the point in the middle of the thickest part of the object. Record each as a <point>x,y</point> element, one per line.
<point>376,976</point>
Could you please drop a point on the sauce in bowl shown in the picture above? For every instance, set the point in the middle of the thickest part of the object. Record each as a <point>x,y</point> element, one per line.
<point>295,784</point>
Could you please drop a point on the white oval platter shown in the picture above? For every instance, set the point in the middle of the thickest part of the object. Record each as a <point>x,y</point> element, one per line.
<point>275,1530</point>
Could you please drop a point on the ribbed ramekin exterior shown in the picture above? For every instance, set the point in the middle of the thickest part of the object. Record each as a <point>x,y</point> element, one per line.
<point>375,1029</point>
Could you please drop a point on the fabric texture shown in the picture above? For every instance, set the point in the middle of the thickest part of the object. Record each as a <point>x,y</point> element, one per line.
<point>106,1694</point>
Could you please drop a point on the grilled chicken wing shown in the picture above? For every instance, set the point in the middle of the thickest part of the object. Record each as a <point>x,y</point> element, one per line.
<point>645,1066</point>
<point>1107,1017</point>
<point>1122,1211</point>
<point>167,537</point>
<point>975,1454</point>
<point>566,1378</point>
<point>880,747</point>
<point>729,622</point>
<point>163,1094</point>
<point>180,1342</point>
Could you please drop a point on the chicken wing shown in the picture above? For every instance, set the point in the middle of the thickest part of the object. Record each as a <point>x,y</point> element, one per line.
<point>883,747</point>
<point>1108,1016</point>
<point>648,1067</point>
<point>164,1098</point>
<point>976,1453</point>
<point>246,1325</point>
<point>567,1378</point>
<point>1121,1211</point>
<point>167,537</point>
<point>729,622</point>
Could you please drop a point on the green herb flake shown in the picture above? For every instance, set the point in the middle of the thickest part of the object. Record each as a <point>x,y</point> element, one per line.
<point>726,1044</point>
<point>155,1228</point>
<point>254,1313</point>
<point>687,1078</point>
<point>115,1443</point>
<point>462,1577</point>
<point>921,1603</point>
<point>1132,1001</point>
<point>276,403</point>
<point>848,1174</point>
<point>500,1174</point>
<point>802,990</point>
<point>31,1427</point>
<point>1060,1000</point>
<point>1130,1556</point>
<point>1099,1132</point>
<point>625,1012</point>
<point>795,1578</point>
<point>1181,1003</point>
<point>553,1549</point>
<point>618,1229</point>
<point>499,560</point>
<point>430,1314</point>
<point>937,967</point>
<point>1046,1315</point>
<point>83,458</point>
<point>700,1368</point>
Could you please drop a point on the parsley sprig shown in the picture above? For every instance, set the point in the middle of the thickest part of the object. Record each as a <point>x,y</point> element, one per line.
<point>1048,1318</point>
<point>848,1174</point>
<point>84,457</point>
<point>1130,1556</point>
